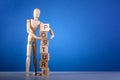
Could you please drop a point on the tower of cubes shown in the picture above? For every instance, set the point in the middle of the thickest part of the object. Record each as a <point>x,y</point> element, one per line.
<point>44,29</point>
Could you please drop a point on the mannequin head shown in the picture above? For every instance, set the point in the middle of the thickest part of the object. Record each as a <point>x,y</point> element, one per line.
<point>36,13</point>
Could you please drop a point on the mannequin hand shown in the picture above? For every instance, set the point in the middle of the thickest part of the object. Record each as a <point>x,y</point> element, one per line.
<point>52,37</point>
<point>39,38</point>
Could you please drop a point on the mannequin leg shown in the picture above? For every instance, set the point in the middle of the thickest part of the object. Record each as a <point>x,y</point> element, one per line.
<point>34,57</point>
<point>29,45</point>
<point>28,58</point>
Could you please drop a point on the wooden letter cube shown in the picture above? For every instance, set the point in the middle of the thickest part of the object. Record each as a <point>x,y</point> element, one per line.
<point>45,56</point>
<point>44,49</point>
<point>44,42</point>
<point>45,72</point>
<point>43,34</point>
<point>43,64</point>
<point>44,27</point>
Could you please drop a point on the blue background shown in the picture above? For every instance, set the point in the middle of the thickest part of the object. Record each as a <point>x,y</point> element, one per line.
<point>87,34</point>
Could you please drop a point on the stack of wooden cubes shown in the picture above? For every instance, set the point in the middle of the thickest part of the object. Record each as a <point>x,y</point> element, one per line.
<point>44,29</point>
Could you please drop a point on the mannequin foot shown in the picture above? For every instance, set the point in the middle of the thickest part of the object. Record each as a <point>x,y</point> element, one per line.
<point>27,74</point>
<point>37,74</point>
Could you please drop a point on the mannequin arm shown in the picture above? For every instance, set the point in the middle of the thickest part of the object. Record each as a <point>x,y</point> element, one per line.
<point>30,32</point>
<point>51,33</point>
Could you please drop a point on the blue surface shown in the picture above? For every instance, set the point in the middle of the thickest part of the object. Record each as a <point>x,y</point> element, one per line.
<point>62,76</point>
<point>87,34</point>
